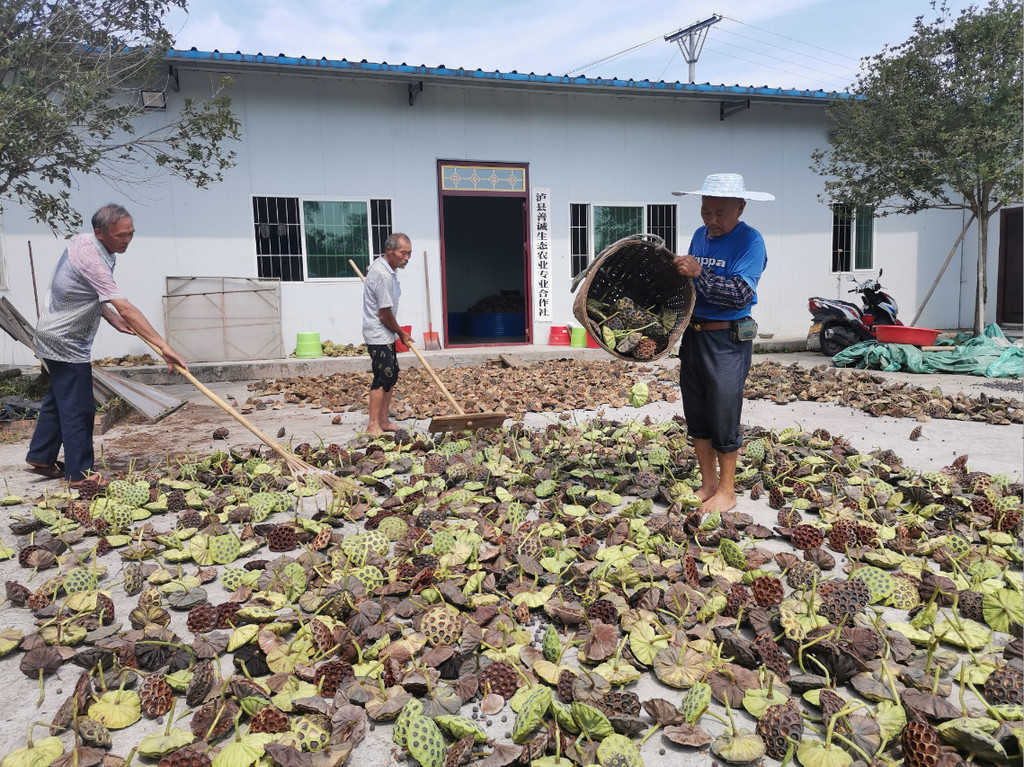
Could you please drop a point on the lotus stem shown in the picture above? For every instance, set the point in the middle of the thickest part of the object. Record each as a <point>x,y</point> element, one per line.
<point>654,729</point>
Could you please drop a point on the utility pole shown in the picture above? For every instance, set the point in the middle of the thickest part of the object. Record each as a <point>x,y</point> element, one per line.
<point>691,41</point>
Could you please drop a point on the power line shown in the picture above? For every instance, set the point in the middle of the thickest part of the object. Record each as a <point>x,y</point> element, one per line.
<point>777,69</point>
<point>791,39</point>
<point>782,48</point>
<point>616,55</point>
<point>787,61</point>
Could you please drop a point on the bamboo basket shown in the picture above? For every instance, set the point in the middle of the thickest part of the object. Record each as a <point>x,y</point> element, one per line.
<point>641,268</point>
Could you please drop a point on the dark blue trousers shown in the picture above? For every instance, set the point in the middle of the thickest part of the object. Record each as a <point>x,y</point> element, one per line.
<point>712,372</point>
<point>66,417</point>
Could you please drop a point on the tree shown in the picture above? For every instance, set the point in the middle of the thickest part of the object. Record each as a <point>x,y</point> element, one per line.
<point>935,122</point>
<point>71,76</point>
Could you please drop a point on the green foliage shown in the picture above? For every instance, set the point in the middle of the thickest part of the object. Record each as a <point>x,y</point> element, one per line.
<point>935,122</point>
<point>71,104</point>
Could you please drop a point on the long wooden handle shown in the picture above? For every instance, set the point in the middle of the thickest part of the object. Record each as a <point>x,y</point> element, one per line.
<point>426,272</point>
<point>229,410</point>
<point>426,365</point>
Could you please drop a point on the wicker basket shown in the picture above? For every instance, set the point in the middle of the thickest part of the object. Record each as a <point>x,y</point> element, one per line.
<point>638,267</point>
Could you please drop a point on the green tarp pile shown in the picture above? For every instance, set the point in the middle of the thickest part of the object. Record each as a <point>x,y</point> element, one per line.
<point>991,355</point>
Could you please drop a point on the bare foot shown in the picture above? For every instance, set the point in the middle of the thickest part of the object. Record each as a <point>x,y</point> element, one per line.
<point>374,432</point>
<point>720,502</point>
<point>390,426</point>
<point>705,493</point>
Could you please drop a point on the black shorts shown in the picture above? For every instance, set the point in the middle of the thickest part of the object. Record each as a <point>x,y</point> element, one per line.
<point>384,364</point>
<point>712,372</point>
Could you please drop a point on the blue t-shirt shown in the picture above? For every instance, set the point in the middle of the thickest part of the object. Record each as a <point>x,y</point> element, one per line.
<point>741,253</point>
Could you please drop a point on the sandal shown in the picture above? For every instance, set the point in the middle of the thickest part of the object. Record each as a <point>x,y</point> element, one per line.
<point>53,470</point>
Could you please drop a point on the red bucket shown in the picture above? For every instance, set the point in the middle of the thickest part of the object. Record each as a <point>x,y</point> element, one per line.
<point>399,346</point>
<point>591,343</point>
<point>559,336</point>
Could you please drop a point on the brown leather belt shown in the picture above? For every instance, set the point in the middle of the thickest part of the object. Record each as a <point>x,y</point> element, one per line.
<point>717,325</point>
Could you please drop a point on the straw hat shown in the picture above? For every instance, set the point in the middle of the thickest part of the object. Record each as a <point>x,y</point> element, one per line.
<point>728,185</point>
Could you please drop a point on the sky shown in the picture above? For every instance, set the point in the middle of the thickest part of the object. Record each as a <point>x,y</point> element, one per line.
<point>793,44</point>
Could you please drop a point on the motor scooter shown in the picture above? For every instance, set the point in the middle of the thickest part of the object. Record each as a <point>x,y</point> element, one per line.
<point>837,324</point>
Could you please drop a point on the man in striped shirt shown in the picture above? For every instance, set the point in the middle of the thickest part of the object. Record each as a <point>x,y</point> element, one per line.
<point>726,259</point>
<point>82,291</point>
<point>381,329</point>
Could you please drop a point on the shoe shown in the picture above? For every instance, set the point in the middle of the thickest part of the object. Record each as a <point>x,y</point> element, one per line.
<point>53,470</point>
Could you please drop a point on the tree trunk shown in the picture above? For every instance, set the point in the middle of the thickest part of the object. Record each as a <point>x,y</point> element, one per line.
<point>982,287</point>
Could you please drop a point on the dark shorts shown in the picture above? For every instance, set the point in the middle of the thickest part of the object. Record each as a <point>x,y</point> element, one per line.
<point>384,364</point>
<point>712,371</point>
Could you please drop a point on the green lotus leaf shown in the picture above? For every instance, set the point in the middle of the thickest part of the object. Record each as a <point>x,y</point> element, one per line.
<point>891,718</point>
<point>10,639</point>
<point>814,753</point>
<point>740,747</point>
<point>41,753</point>
<point>914,634</point>
<point>461,726</point>
<point>159,744</point>
<point>712,607</point>
<point>757,701</point>
<point>619,751</point>
<point>645,641</point>
<point>243,751</point>
<point>680,668</point>
<point>199,550</point>
<point>963,632</point>
<point>563,716</point>
<point>293,690</point>
<point>973,736</point>
<point>592,722</point>
<point>618,671</point>
<point>242,636</point>
<point>531,712</point>
<point>548,671</point>
<point>638,394</point>
<point>534,599</point>
<point>1001,608</point>
<point>117,709</point>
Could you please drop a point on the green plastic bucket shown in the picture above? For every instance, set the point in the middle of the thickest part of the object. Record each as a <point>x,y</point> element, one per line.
<point>308,346</point>
<point>579,337</point>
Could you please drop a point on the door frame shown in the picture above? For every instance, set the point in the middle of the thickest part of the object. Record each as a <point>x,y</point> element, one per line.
<point>494,184</point>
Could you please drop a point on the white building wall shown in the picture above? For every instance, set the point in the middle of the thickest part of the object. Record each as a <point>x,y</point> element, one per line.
<point>343,137</point>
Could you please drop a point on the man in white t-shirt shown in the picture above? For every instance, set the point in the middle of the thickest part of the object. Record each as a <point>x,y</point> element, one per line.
<point>81,291</point>
<point>381,328</point>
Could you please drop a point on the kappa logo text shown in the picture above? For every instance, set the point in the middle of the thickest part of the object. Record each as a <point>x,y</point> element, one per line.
<point>708,261</point>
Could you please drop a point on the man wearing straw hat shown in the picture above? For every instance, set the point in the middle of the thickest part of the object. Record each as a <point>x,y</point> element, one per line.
<point>726,258</point>
<point>381,329</point>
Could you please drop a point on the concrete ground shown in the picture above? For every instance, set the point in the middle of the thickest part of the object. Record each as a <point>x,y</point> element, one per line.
<point>991,449</point>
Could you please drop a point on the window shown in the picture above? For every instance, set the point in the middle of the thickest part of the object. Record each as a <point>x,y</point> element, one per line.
<point>853,229</point>
<point>317,244</point>
<point>592,228</point>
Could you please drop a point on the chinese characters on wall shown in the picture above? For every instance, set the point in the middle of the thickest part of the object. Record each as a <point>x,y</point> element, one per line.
<point>541,254</point>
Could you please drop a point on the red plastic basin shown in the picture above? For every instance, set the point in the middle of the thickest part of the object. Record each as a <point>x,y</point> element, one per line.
<point>906,334</point>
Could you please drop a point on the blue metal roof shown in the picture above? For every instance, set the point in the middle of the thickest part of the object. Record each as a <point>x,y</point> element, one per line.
<point>479,76</point>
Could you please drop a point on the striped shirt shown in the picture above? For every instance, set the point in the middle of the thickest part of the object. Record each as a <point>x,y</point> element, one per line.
<point>70,315</point>
<point>381,291</point>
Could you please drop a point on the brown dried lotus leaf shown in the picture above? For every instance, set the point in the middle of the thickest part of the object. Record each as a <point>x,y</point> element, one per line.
<point>730,682</point>
<point>663,712</point>
<point>687,735</point>
<point>492,704</point>
<point>602,642</point>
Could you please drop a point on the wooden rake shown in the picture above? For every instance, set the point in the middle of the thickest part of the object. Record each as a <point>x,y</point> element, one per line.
<point>298,468</point>
<point>461,422</point>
